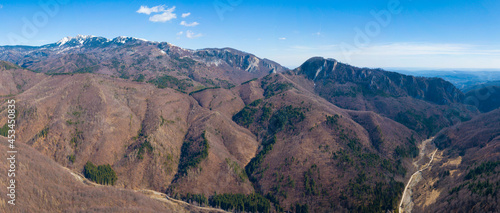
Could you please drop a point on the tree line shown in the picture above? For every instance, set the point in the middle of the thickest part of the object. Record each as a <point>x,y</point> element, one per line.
<point>102,174</point>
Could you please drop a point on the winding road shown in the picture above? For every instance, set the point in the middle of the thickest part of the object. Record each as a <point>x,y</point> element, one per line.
<point>152,194</point>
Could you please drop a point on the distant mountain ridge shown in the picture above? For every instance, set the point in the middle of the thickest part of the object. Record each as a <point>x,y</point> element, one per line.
<point>397,96</point>
<point>436,90</point>
<point>129,57</point>
<point>486,97</point>
<point>92,40</point>
<point>464,80</point>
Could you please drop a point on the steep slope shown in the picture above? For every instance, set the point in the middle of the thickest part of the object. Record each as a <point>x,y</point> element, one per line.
<point>422,104</point>
<point>327,71</point>
<point>45,186</point>
<point>465,172</point>
<point>214,151</point>
<point>137,128</point>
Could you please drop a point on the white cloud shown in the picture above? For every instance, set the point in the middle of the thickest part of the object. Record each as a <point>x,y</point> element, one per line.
<point>183,23</point>
<point>317,33</point>
<point>184,15</point>
<point>190,34</point>
<point>148,10</point>
<point>1,6</point>
<point>167,15</point>
<point>283,38</point>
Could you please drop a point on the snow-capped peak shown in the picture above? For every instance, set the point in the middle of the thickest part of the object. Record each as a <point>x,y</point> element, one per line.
<point>78,39</point>
<point>63,41</point>
<point>124,39</point>
<point>81,40</point>
<point>141,39</point>
<point>82,37</point>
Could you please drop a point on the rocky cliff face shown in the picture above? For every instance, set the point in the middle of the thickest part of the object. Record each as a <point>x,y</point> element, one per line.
<point>434,90</point>
<point>235,58</point>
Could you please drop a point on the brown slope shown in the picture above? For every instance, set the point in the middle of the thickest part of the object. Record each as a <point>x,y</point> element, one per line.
<point>425,105</point>
<point>224,101</point>
<point>99,119</point>
<point>42,185</point>
<point>384,133</point>
<point>230,147</point>
<point>464,176</point>
<point>316,162</point>
<point>109,121</point>
<point>250,91</point>
<point>14,79</point>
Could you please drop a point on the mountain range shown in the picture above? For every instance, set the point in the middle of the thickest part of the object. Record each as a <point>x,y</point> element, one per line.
<point>226,129</point>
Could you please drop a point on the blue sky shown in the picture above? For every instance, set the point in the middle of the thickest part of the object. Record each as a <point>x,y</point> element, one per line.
<point>376,33</point>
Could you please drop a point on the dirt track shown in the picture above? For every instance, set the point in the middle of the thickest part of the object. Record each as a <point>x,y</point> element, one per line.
<point>152,194</point>
<point>406,204</point>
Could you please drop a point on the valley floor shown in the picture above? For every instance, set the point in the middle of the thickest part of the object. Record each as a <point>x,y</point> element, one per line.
<point>424,162</point>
